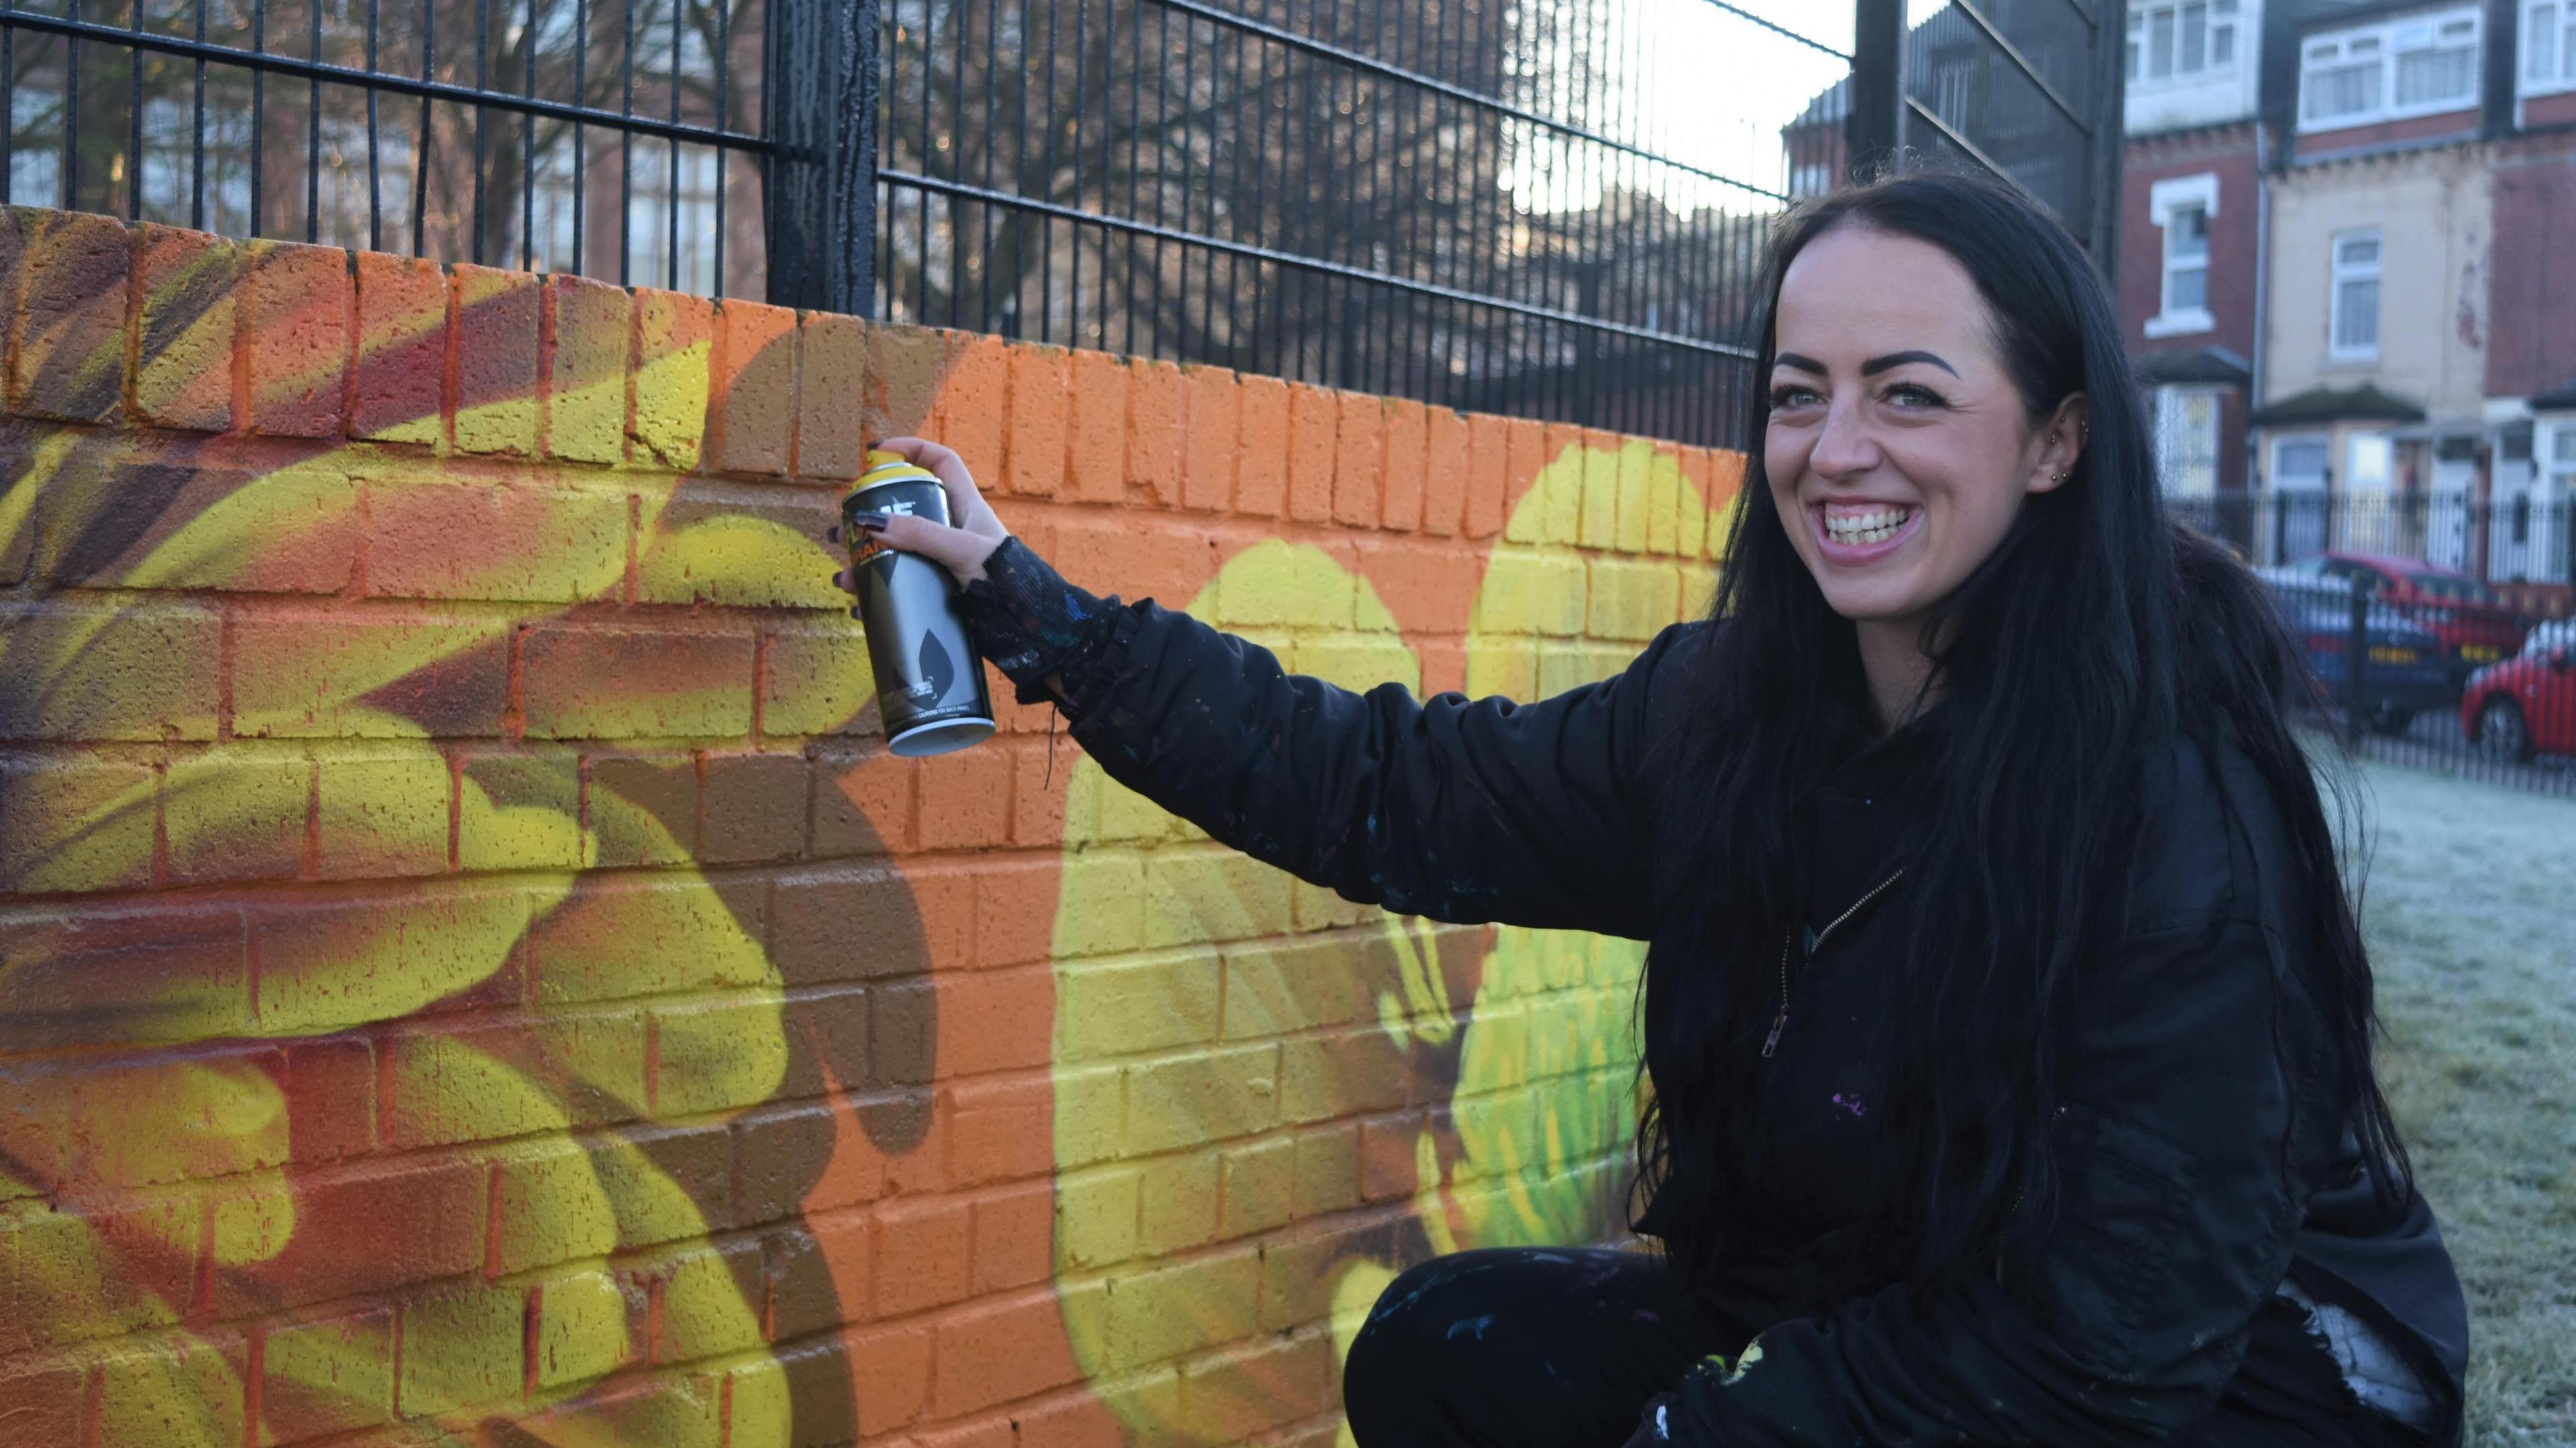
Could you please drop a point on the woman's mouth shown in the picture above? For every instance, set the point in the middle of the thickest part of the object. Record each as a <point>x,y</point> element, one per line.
<point>1859,532</point>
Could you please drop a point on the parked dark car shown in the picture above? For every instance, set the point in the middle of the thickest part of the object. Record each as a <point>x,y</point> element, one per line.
<point>2527,704</point>
<point>2471,619</point>
<point>2407,672</point>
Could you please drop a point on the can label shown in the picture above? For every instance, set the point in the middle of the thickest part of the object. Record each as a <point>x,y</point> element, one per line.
<point>929,673</point>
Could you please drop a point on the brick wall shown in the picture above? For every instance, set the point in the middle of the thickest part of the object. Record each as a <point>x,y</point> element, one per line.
<point>468,960</point>
<point>2226,152</point>
<point>2532,347</point>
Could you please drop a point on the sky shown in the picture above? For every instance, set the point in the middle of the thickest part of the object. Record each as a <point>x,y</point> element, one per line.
<point>1704,87</point>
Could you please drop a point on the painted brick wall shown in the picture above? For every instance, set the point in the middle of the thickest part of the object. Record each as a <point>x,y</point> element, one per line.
<point>468,960</point>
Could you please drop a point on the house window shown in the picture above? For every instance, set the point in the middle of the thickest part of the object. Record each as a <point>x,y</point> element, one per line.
<point>2187,261</point>
<point>2418,66</point>
<point>2182,207</point>
<point>2187,440</point>
<point>2549,48</point>
<point>2188,41</point>
<point>2353,329</point>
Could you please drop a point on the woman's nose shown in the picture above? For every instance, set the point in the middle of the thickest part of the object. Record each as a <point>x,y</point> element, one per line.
<point>1843,445</point>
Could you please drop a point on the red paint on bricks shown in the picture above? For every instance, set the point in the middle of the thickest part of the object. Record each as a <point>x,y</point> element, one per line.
<point>1359,458</point>
<point>1407,434</point>
<point>1214,406</point>
<point>400,382</point>
<point>1096,440</point>
<point>974,402</point>
<point>754,387</point>
<point>1158,402</point>
<point>831,395</point>
<point>1034,455</point>
<point>1262,449</point>
<point>296,338</point>
<point>1445,472</point>
<point>185,330</point>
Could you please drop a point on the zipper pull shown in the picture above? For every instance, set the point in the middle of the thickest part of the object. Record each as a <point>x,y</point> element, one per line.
<point>1771,1042</point>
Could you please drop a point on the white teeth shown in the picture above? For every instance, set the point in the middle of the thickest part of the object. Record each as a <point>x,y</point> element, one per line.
<point>1862,529</point>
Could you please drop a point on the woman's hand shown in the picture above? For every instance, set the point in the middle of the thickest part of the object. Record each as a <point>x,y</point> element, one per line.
<point>961,549</point>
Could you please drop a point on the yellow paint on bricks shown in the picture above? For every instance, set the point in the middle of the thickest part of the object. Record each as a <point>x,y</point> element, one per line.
<point>586,422</point>
<point>347,1362</point>
<point>211,1116</point>
<point>761,1412</point>
<point>703,1311</point>
<point>1177,1200</point>
<point>742,562</point>
<point>1528,592</point>
<point>670,389</point>
<point>1664,487</point>
<point>178,1391</point>
<point>720,1055</point>
<point>1118,1007</point>
<point>251,1226</point>
<point>462,1349</point>
<point>1095,1217</point>
<point>1597,525</point>
<point>551,1206</point>
<point>582,1329</point>
<point>388,956</point>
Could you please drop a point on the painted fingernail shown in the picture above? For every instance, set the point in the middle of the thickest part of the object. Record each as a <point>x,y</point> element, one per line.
<point>832,534</point>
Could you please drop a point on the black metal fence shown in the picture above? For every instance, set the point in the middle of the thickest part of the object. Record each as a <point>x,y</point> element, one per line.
<point>2437,624</point>
<point>618,138</point>
<point>1521,206</point>
<point>1501,207</point>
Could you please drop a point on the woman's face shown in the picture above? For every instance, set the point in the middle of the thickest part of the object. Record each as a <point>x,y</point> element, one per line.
<point>1898,448</point>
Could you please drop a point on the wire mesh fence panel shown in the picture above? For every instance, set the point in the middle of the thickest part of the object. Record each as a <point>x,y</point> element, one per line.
<point>1501,207</point>
<point>619,138</point>
<point>2437,623</point>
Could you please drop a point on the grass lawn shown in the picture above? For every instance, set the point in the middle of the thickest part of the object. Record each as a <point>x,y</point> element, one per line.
<point>2471,917</point>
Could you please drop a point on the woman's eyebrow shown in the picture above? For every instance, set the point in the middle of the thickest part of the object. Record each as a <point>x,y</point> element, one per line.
<point>1876,365</point>
<point>1871,368</point>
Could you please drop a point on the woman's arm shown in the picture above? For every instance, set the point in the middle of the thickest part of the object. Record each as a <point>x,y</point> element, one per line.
<point>1458,810</point>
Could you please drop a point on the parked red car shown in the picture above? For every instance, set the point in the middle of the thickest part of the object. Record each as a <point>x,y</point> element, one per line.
<point>2527,704</point>
<point>2468,617</point>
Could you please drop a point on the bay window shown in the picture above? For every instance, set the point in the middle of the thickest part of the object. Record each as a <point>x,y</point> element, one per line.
<point>2419,65</point>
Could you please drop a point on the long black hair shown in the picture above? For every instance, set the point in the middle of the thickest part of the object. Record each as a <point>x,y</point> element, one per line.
<point>2097,636</point>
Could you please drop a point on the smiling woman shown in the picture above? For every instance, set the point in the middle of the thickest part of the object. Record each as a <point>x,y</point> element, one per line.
<point>2007,1032</point>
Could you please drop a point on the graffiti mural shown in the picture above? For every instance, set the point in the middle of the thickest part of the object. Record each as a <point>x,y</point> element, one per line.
<point>1492,1066</point>
<point>467,962</point>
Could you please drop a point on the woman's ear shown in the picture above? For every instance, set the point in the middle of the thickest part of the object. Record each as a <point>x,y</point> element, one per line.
<point>2061,443</point>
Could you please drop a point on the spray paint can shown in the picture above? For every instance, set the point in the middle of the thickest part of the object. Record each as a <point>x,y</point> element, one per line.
<point>930,676</point>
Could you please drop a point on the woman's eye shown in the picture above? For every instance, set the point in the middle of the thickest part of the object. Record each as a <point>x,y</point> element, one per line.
<point>1792,396</point>
<point>1910,394</point>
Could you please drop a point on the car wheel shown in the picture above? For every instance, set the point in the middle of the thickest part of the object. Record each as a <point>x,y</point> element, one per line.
<point>2502,732</point>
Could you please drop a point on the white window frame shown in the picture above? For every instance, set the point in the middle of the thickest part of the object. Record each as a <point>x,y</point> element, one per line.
<point>2187,68</point>
<point>2339,272</point>
<point>2164,200</point>
<point>2331,50</point>
<point>2547,65</point>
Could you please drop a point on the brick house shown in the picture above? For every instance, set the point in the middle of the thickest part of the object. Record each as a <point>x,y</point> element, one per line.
<point>2348,272</point>
<point>2189,287</point>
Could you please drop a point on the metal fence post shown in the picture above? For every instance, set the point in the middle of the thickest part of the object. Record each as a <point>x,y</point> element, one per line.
<point>1874,128</point>
<point>822,96</point>
<point>2356,658</point>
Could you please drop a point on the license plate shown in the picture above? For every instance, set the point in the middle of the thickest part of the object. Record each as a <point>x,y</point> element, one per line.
<point>2385,655</point>
<point>2481,654</point>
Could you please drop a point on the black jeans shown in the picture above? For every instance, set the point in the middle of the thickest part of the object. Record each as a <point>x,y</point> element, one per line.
<point>1563,1347</point>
